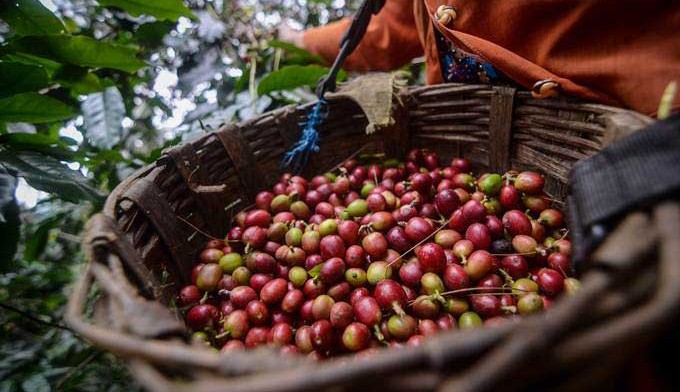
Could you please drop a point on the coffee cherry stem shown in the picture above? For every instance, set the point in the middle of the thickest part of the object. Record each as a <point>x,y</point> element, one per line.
<point>397,309</point>
<point>467,291</point>
<point>419,243</point>
<point>492,293</point>
<point>378,334</point>
<point>513,254</point>
<point>223,335</point>
<point>508,279</point>
<point>509,309</point>
<point>204,298</point>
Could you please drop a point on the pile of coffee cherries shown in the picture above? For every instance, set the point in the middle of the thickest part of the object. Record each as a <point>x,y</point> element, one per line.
<point>379,255</point>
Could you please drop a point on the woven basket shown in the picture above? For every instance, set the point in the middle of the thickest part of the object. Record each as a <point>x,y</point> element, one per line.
<point>144,244</point>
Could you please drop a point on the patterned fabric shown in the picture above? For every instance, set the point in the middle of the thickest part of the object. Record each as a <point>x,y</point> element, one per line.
<point>462,67</point>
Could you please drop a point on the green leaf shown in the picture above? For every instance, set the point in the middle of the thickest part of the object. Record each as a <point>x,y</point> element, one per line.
<point>47,174</point>
<point>33,108</point>
<point>314,272</point>
<point>292,77</point>
<point>36,242</point>
<point>8,184</point>
<point>18,78</point>
<point>161,9</point>
<point>78,79</point>
<point>30,17</point>
<point>9,216</point>
<point>79,50</point>
<point>103,114</point>
<point>50,145</point>
<point>295,54</point>
<point>243,80</point>
<point>150,35</point>
<point>28,59</point>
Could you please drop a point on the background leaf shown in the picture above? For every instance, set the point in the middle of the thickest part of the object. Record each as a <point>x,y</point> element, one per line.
<point>78,79</point>
<point>9,217</point>
<point>47,144</point>
<point>8,184</point>
<point>18,78</point>
<point>30,17</point>
<point>35,244</point>
<point>161,9</point>
<point>48,174</point>
<point>28,59</point>
<point>294,76</point>
<point>33,108</point>
<point>295,54</point>
<point>150,35</point>
<point>79,50</point>
<point>103,114</point>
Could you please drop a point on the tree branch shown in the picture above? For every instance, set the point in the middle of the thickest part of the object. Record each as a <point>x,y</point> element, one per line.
<point>33,318</point>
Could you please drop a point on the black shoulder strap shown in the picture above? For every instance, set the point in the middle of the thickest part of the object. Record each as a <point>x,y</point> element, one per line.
<point>628,174</point>
<point>349,42</point>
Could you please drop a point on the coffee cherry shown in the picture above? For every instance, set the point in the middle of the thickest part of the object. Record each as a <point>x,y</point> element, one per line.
<point>479,264</point>
<point>469,320</point>
<point>189,295</point>
<point>524,286</point>
<point>341,315</point>
<point>280,334</point>
<point>297,276</point>
<point>455,277</point>
<point>550,281</point>
<point>490,184</point>
<point>529,182</point>
<point>355,277</point>
<point>367,311</point>
<point>402,327</point>
<point>378,271</point>
<point>431,257</point>
<point>236,324</point>
<point>211,255</point>
<point>208,277</point>
<point>417,229</point>
<point>356,337</point>
<point>516,222</point>
<point>529,304</point>
<point>273,292</point>
<point>332,246</point>
<point>515,265</point>
<point>375,245</point>
<point>256,337</point>
<point>202,316</point>
<point>425,307</point>
<point>321,307</point>
<point>257,312</point>
<point>292,301</point>
<point>479,235</point>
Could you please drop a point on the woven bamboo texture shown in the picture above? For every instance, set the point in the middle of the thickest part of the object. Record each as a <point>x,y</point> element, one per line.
<point>142,247</point>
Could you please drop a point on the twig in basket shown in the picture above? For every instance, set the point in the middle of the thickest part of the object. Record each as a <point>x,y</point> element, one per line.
<point>197,229</point>
<point>355,153</point>
<point>423,240</point>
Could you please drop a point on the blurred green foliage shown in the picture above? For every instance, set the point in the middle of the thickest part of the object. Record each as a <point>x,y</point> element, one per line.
<point>89,92</point>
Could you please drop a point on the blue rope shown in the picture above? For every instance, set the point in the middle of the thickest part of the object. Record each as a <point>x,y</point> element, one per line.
<point>299,154</point>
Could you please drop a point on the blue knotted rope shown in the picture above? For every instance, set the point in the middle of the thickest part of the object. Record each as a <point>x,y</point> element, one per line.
<point>299,154</point>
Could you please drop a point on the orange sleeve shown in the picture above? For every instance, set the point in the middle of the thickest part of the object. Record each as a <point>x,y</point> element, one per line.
<point>391,39</point>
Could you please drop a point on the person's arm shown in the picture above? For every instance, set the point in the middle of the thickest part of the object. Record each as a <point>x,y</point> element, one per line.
<point>391,39</point>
